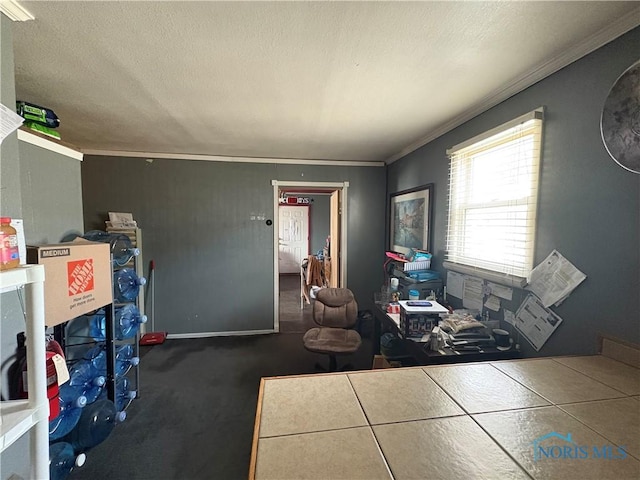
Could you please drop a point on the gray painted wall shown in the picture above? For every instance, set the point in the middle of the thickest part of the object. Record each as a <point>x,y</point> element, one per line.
<point>52,194</point>
<point>589,208</point>
<point>213,265</point>
<point>10,199</point>
<point>320,221</point>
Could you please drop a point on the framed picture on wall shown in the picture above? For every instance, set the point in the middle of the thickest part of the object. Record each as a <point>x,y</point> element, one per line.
<point>410,219</point>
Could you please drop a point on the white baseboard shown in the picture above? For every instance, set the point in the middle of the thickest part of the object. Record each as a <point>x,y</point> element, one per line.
<point>219,334</point>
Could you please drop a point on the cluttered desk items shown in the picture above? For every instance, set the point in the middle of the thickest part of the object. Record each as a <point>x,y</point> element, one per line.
<point>461,332</point>
<point>438,338</point>
<point>412,272</point>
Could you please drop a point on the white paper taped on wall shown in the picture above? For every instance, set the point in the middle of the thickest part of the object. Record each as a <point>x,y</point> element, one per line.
<point>509,317</point>
<point>473,293</point>
<point>492,303</point>
<point>535,322</point>
<point>455,284</point>
<point>554,279</point>
<point>10,121</point>
<point>500,290</point>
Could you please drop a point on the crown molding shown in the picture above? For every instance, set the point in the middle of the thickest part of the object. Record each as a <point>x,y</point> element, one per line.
<point>537,73</point>
<point>221,158</point>
<point>14,11</point>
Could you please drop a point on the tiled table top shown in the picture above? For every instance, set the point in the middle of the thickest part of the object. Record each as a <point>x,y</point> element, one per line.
<point>556,417</point>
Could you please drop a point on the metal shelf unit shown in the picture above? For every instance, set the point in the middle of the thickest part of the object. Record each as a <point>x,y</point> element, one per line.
<point>135,236</point>
<point>62,336</point>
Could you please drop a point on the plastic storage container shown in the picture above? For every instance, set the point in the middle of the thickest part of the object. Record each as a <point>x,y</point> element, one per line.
<point>9,255</point>
<point>414,295</point>
<point>424,288</point>
<point>62,460</point>
<point>126,285</point>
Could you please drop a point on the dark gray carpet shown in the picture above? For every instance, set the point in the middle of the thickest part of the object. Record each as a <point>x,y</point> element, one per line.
<point>195,416</point>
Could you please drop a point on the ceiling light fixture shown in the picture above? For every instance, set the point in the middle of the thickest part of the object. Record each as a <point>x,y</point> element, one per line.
<point>15,11</point>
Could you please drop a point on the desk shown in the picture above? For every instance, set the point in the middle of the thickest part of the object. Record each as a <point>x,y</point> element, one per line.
<point>420,351</point>
<point>477,420</point>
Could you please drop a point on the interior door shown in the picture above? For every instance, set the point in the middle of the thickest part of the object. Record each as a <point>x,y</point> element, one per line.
<point>293,234</point>
<point>334,249</point>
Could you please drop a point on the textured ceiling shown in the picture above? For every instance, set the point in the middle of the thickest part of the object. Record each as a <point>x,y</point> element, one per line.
<point>301,80</point>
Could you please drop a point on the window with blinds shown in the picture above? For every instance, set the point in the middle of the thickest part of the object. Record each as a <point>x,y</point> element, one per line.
<point>493,196</point>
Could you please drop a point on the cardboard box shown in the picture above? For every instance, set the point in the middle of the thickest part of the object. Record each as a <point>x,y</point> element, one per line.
<point>380,362</point>
<point>78,278</point>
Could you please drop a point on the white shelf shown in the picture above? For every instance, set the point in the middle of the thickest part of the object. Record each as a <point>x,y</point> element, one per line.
<point>22,275</point>
<point>21,416</point>
<point>17,419</point>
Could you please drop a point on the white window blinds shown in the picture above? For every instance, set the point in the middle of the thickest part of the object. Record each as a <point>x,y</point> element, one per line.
<point>493,196</point>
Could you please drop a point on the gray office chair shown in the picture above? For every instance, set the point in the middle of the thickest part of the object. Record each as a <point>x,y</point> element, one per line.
<point>335,311</point>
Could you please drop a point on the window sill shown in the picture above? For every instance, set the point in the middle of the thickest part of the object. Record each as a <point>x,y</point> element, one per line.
<point>496,277</point>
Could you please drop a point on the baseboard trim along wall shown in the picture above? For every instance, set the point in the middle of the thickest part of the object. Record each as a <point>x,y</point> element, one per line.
<point>218,334</point>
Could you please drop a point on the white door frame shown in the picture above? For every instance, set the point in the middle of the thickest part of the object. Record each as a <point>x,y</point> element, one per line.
<point>277,184</point>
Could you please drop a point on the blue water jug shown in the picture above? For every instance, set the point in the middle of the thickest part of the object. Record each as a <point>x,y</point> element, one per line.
<point>124,395</point>
<point>71,406</point>
<point>86,380</point>
<point>125,359</point>
<point>95,425</point>
<point>126,285</point>
<point>62,460</point>
<point>127,323</point>
<point>121,248</point>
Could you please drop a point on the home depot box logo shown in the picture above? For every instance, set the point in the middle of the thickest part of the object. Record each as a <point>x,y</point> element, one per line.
<point>80,276</point>
<point>77,278</point>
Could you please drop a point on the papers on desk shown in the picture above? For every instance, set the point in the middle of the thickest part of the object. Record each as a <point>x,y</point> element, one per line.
<point>535,322</point>
<point>554,279</point>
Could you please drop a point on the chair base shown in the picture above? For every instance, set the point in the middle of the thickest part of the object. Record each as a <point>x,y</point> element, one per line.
<point>333,366</point>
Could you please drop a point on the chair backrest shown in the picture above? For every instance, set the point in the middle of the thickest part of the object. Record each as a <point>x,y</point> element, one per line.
<point>335,307</point>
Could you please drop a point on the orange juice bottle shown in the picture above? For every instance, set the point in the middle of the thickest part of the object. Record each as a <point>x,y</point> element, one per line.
<point>9,256</point>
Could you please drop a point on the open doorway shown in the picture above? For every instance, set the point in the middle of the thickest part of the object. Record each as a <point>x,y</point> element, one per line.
<point>325,243</point>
